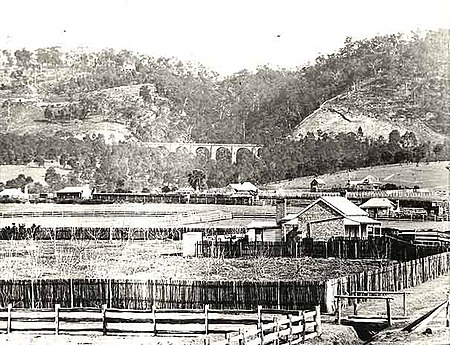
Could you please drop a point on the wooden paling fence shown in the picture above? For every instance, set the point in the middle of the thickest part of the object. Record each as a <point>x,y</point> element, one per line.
<point>109,233</point>
<point>191,294</point>
<point>394,277</point>
<point>372,248</point>
<point>205,321</point>
<point>169,294</point>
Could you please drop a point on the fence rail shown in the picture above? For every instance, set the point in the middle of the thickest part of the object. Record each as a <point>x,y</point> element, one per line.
<point>205,321</point>
<point>293,330</point>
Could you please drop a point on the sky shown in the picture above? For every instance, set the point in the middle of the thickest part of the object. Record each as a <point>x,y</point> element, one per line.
<point>225,36</point>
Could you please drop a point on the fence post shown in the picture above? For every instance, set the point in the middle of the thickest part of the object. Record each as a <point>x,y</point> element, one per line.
<point>109,293</point>
<point>206,318</point>
<point>104,323</point>
<point>290,329</point>
<point>275,329</point>
<point>32,294</point>
<point>154,317</point>
<point>388,311</point>
<point>447,313</point>
<point>338,310</point>
<point>259,316</point>
<point>57,318</point>
<point>318,321</point>
<point>404,303</point>
<point>71,292</point>
<point>154,292</point>
<point>304,327</point>
<point>279,295</point>
<point>8,322</point>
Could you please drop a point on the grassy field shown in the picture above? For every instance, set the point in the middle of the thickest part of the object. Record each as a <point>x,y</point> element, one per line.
<point>9,172</point>
<point>134,207</point>
<point>431,175</point>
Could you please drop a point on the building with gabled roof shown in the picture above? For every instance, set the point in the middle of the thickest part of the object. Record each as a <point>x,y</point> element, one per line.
<point>74,193</point>
<point>379,207</point>
<point>13,193</point>
<point>317,184</point>
<point>331,216</point>
<point>367,183</point>
<point>246,187</point>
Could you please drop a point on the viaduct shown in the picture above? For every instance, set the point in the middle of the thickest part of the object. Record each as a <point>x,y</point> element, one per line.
<point>212,149</point>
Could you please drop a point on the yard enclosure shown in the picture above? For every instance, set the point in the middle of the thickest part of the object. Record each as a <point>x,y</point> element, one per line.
<point>283,294</point>
<point>385,247</point>
<point>264,324</point>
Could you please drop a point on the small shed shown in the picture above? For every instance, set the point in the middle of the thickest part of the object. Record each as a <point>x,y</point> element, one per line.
<point>379,207</point>
<point>74,193</point>
<point>190,240</point>
<point>264,231</point>
<point>317,184</point>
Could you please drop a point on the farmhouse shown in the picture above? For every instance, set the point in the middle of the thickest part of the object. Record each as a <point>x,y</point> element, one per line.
<point>331,216</point>
<point>74,193</point>
<point>367,183</point>
<point>244,188</point>
<point>378,207</point>
<point>317,184</point>
<point>13,193</point>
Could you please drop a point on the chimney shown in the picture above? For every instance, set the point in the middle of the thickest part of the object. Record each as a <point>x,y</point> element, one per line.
<point>280,209</point>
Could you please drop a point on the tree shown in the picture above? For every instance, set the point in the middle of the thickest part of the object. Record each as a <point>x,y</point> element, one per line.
<point>196,179</point>
<point>53,179</point>
<point>23,57</point>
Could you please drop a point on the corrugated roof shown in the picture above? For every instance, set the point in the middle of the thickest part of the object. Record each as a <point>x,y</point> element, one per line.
<point>12,192</point>
<point>343,206</point>
<point>72,190</point>
<point>378,203</point>
<point>260,224</point>
<point>246,187</point>
<point>355,220</point>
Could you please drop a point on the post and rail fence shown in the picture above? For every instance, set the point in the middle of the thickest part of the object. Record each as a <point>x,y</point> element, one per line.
<point>269,325</point>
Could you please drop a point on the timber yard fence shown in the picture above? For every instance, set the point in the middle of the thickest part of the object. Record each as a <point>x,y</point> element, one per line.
<point>110,233</point>
<point>176,294</point>
<point>372,248</point>
<point>300,324</point>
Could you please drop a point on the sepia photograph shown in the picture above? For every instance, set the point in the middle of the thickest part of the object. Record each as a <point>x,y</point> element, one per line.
<point>224,172</point>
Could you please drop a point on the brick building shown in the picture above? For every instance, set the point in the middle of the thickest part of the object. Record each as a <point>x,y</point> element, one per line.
<point>331,216</point>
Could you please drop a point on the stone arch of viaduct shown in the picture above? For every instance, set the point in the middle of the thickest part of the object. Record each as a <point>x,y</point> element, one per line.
<point>212,148</point>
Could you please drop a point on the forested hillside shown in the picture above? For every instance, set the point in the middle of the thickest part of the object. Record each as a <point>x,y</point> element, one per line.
<point>52,95</point>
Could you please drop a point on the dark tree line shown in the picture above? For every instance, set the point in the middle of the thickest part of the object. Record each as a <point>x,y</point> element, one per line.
<point>129,167</point>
